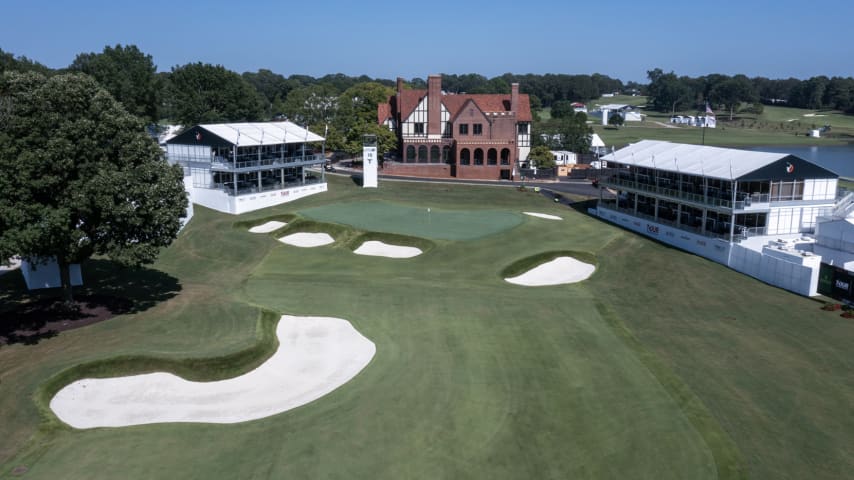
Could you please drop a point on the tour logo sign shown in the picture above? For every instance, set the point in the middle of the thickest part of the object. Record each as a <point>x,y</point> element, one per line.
<point>789,167</point>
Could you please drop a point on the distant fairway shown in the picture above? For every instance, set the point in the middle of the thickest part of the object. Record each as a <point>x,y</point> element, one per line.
<point>436,224</point>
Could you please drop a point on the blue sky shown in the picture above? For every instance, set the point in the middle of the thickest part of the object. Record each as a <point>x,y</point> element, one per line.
<point>387,39</point>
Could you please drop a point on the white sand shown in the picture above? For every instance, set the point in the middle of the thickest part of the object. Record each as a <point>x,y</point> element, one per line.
<point>559,271</point>
<point>307,240</point>
<point>543,215</point>
<point>267,227</point>
<point>381,249</point>
<point>316,355</point>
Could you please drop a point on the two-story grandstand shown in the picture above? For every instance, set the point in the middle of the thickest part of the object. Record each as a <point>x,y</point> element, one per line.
<point>755,212</point>
<point>240,167</point>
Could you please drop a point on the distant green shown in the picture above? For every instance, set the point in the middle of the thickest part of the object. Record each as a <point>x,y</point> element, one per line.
<point>422,221</point>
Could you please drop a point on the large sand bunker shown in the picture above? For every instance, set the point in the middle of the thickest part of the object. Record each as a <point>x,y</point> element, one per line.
<point>267,227</point>
<point>543,215</point>
<point>316,355</point>
<point>307,240</point>
<point>380,249</point>
<point>556,272</point>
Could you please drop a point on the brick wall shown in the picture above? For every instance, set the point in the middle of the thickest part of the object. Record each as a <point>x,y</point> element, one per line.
<point>442,170</point>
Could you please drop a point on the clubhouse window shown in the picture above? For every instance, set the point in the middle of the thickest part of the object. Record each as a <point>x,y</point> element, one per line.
<point>418,128</point>
<point>477,129</point>
<point>523,129</point>
<point>464,129</point>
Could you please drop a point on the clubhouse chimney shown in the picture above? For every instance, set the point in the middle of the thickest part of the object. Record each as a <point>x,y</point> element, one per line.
<point>514,98</point>
<point>434,105</point>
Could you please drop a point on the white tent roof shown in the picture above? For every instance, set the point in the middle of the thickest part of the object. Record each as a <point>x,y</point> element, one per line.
<point>596,141</point>
<point>715,162</point>
<point>262,133</point>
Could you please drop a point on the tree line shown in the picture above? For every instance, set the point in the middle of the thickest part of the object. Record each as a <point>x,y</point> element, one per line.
<point>344,107</point>
<point>668,92</point>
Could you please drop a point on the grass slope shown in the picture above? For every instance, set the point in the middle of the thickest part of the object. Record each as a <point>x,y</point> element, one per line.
<point>662,365</point>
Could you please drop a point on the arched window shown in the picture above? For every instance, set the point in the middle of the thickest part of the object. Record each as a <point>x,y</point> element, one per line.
<point>446,154</point>
<point>492,157</point>
<point>434,154</point>
<point>505,156</point>
<point>465,157</point>
<point>422,154</point>
<point>478,156</point>
<point>410,154</point>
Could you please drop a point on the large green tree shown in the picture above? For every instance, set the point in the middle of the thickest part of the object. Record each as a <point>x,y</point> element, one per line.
<point>205,93</point>
<point>79,176</point>
<point>315,104</point>
<point>128,74</point>
<point>666,91</point>
<point>358,104</point>
<point>732,92</point>
<point>569,133</point>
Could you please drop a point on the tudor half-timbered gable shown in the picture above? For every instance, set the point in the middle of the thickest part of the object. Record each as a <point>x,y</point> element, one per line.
<point>457,135</point>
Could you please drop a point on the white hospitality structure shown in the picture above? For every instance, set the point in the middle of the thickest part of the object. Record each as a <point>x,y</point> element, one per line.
<point>241,167</point>
<point>754,212</point>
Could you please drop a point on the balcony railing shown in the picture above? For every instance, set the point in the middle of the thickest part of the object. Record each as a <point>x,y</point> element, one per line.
<point>722,233</point>
<point>250,187</point>
<point>224,164</point>
<point>696,198</point>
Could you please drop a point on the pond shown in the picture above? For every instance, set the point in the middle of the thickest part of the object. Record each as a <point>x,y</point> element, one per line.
<point>839,159</point>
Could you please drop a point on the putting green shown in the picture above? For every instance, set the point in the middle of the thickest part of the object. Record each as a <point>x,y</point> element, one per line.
<point>425,222</point>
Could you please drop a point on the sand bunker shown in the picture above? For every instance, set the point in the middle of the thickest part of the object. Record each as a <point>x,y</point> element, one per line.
<point>543,215</point>
<point>380,249</point>
<point>307,240</point>
<point>316,355</point>
<point>267,227</point>
<point>559,271</point>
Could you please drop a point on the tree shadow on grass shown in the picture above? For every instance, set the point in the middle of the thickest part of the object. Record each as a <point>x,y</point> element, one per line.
<point>109,289</point>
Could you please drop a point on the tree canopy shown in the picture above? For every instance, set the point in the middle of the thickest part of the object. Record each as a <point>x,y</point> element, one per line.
<point>128,74</point>
<point>80,177</point>
<point>542,156</point>
<point>570,133</point>
<point>205,93</point>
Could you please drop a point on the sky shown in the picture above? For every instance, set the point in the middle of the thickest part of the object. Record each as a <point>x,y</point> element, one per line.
<point>389,39</point>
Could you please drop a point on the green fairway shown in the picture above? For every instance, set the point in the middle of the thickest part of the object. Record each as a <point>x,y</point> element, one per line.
<point>421,221</point>
<point>661,365</point>
<point>774,126</point>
